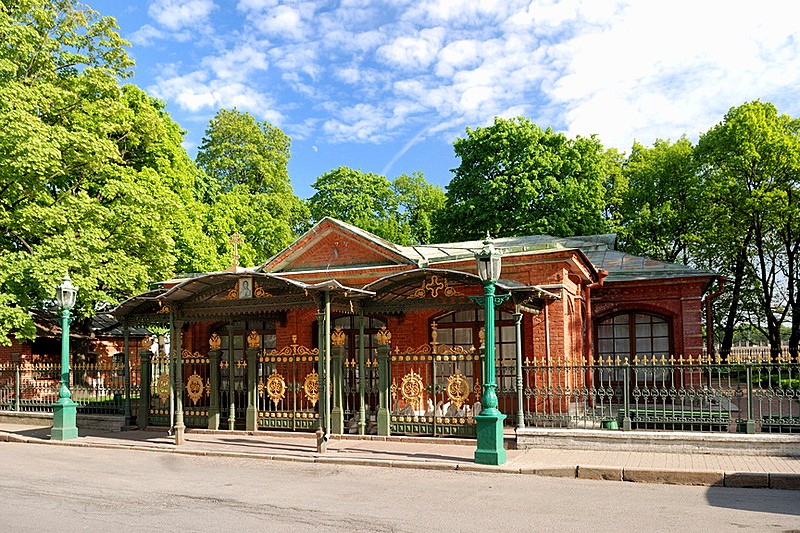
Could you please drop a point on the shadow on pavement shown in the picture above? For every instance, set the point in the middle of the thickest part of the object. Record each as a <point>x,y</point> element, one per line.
<point>757,500</point>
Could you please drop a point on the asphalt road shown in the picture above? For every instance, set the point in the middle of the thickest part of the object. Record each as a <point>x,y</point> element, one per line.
<point>90,489</point>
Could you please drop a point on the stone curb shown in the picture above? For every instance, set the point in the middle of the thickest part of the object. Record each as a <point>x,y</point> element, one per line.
<point>782,481</point>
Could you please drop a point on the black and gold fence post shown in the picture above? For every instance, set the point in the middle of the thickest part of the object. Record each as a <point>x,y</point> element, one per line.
<point>214,354</point>
<point>338,338</point>
<point>384,379</point>
<point>145,376</point>
<point>251,415</point>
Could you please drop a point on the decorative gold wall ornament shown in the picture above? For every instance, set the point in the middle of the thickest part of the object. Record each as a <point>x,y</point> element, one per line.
<point>292,350</point>
<point>194,388</point>
<point>482,335</point>
<point>477,390</point>
<point>214,342</point>
<point>259,291</point>
<point>458,389</point>
<point>233,293</point>
<point>412,388</point>
<point>384,336</point>
<point>147,342</point>
<point>163,309</point>
<point>311,388</point>
<point>253,339</point>
<point>276,387</point>
<point>162,387</point>
<point>338,337</point>
<point>434,286</point>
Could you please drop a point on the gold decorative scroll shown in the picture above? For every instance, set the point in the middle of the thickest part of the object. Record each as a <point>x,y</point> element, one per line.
<point>233,293</point>
<point>259,291</point>
<point>384,336</point>
<point>477,390</point>
<point>162,387</point>
<point>338,337</point>
<point>276,387</point>
<point>194,388</point>
<point>253,339</point>
<point>457,389</point>
<point>311,388</point>
<point>214,342</point>
<point>293,349</point>
<point>412,388</point>
<point>163,309</point>
<point>435,287</point>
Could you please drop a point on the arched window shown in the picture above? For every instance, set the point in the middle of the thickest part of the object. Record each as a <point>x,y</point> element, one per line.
<point>634,334</point>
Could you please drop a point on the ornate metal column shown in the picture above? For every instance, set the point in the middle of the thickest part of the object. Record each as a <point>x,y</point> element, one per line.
<point>520,380</point>
<point>65,410</point>
<point>251,416</point>
<point>362,378</point>
<point>322,441</point>
<point>231,381</point>
<point>338,338</point>
<point>127,371</point>
<point>180,428</point>
<point>214,354</point>
<point>145,385</point>
<point>384,379</point>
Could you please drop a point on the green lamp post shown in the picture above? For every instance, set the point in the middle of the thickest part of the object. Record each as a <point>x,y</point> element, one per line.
<point>64,410</point>
<point>490,449</point>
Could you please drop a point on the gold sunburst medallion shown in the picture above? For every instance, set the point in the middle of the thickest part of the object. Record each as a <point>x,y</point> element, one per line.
<point>194,388</point>
<point>276,387</point>
<point>311,388</point>
<point>458,389</point>
<point>412,387</point>
<point>162,387</point>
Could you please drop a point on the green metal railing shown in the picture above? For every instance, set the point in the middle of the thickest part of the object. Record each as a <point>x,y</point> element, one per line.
<point>97,388</point>
<point>742,393</point>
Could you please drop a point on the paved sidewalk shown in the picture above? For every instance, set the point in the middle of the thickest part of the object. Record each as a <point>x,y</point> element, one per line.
<point>448,454</point>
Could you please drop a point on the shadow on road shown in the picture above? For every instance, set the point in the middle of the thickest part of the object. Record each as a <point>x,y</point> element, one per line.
<point>757,500</point>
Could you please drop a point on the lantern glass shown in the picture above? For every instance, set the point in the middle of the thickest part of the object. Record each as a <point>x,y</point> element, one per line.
<point>66,293</point>
<point>488,262</point>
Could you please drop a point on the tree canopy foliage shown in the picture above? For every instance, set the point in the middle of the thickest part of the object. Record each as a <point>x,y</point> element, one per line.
<point>400,211</point>
<point>518,179</point>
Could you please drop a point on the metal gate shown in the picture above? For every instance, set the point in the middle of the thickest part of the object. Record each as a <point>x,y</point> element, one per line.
<point>288,388</point>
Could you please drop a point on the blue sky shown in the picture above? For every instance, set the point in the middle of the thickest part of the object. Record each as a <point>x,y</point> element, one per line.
<point>386,86</point>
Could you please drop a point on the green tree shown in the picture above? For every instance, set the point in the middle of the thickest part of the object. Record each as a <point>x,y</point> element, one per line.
<point>750,164</point>
<point>87,179</point>
<point>419,202</point>
<point>658,215</point>
<point>515,178</point>
<point>245,187</point>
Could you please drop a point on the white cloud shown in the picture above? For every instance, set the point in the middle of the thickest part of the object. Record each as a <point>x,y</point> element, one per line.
<point>417,52</point>
<point>178,14</point>
<point>146,35</point>
<point>239,63</point>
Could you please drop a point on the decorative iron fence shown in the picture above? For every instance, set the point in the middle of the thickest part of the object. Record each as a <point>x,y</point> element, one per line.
<point>745,393</point>
<point>288,388</point>
<point>96,388</point>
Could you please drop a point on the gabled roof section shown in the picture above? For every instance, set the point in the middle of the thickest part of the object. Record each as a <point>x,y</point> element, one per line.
<point>331,245</point>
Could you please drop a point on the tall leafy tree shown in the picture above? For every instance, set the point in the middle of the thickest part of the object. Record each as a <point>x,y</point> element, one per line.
<point>750,164</point>
<point>79,187</point>
<point>420,202</point>
<point>515,178</point>
<point>246,187</point>
<point>658,214</point>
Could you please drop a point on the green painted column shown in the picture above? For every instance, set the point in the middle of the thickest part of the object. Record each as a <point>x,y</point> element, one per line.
<point>520,380</point>
<point>231,382</point>
<point>362,410</point>
<point>64,410</point>
<point>180,428</point>
<point>337,412</point>
<point>145,386</point>
<point>251,414</point>
<point>322,442</point>
<point>213,378</point>
<point>127,375</point>
<point>384,379</point>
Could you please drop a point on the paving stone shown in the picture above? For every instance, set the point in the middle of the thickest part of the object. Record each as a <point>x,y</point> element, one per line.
<point>552,471</point>
<point>674,477</point>
<point>755,480</point>
<point>784,481</point>
<point>600,472</point>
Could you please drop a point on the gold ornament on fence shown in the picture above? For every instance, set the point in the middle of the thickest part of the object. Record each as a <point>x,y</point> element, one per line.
<point>412,388</point>
<point>276,387</point>
<point>337,337</point>
<point>311,388</point>
<point>458,389</point>
<point>147,342</point>
<point>384,336</point>
<point>434,286</point>
<point>162,387</point>
<point>253,339</point>
<point>194,388</point>
<point>477,390</point>
<point>214,342</point>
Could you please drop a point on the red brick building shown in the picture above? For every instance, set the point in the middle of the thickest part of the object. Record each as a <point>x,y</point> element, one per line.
<point>258,345</point>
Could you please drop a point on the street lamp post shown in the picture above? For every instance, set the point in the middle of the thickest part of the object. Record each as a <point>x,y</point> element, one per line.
<point>490,449</point>
<point>64,410</point>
